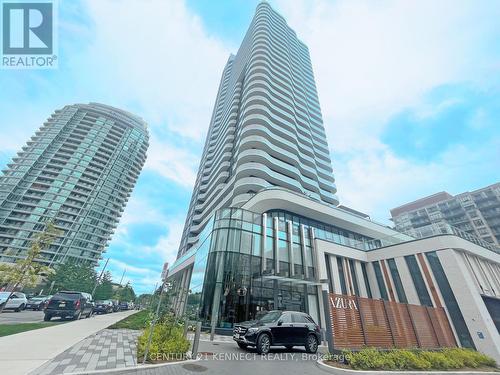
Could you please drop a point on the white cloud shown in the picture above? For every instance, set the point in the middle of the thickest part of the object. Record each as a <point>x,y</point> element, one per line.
<point>176,164</point>
<point>167,245</point>
<point>373,60</point>
<point>143,278</point>
<point>375,181</point>
<point>156,54</point>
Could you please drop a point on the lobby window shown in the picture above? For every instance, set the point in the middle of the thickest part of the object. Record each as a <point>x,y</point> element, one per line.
<point>340,266</point>
<point>418,281</point>
<point>284,261</point>
<point>450,301</point>
<point>397,280</point>
<point>367,283</point>
<point>380,281</point>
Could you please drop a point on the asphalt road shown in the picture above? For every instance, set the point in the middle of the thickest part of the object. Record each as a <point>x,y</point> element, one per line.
<point>26,316</point>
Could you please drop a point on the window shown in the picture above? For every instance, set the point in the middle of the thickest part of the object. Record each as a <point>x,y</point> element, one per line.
<point>367,283</point>
<point>397,280</point>
<point>340,267</point>
<point>299,318</point>
<point>380,281</point>
<point>353,276</point>
<point>450,301</point>
<point>478,222</point>
<point>329,273</point>
<point>286,318</point>
<point>418,281</point>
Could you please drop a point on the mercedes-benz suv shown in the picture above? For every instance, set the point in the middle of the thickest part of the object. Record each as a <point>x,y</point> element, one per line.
<point>278,328</point>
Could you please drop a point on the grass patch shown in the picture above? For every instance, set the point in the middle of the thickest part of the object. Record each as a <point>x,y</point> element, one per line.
<point>403,359</point>
<point>139,320</point>
<point>11,329</point>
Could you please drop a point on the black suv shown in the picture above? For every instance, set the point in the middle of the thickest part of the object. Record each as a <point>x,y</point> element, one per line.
<point>69,304</point>
<point>278,328</point>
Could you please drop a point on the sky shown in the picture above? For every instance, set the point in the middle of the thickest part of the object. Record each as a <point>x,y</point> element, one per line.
<point>409,91</point>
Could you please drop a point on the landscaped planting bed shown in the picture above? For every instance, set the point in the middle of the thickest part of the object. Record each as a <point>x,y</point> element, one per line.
<point>406,359</point>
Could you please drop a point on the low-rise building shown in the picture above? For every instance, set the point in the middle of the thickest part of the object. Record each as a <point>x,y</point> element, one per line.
<point>476,212</point>
<point>283,250</point>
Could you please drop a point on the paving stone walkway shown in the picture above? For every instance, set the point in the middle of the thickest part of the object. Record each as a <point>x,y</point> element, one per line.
<point>107,349</point>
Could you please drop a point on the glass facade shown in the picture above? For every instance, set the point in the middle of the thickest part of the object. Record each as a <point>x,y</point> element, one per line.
<point>329,232</point>
<point>78,171</point>
<point>450,301</point>
<point>354,277</point>
<point>242,268</point>
<point>340,268</point>
<point>380,281</point>
<point>397,280</point>
<point>367,283</point>
<point>418,281</point>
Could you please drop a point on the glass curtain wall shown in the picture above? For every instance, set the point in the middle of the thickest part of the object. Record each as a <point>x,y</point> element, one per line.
<point>229,269</point>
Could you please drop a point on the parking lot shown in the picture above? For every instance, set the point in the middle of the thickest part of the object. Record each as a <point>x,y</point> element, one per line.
<point>26,316</point>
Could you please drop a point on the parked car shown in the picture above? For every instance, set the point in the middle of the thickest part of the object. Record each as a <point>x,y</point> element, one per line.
<point>16,302</point>
<point>124,305</point>
<point>278,328</point>
<point>69,304</point>
<point>38,302</point>
<point>103,307</point>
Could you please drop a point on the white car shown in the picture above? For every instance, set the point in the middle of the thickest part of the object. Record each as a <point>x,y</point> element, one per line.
<point>16,302</point>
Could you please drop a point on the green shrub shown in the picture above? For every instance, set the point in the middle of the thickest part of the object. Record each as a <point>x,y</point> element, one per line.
<point>167,344</point>
<point>403,359</point>
<point>469,358</point>
<point>440,361</point>
<point>408,360</point>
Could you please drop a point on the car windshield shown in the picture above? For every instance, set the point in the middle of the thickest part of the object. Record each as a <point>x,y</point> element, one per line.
<point>67,295</point>
<point>270,317</point>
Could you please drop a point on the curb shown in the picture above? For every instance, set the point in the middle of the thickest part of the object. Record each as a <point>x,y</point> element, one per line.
<point>344,371</point>
<point>132,368</point>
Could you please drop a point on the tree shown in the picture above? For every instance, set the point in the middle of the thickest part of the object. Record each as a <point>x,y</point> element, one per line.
<point>105,288</point>
<point>145,300</point>
<point>125,293</point>
<point>74,276</point>
<point>28,271</point>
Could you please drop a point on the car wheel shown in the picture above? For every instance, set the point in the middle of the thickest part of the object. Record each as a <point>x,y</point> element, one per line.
<point>311,344</point>
<point>263,344</point>
<point>47,317</point>
<point>289,347</point>
<point>20,308</point>
<point>242,346</point>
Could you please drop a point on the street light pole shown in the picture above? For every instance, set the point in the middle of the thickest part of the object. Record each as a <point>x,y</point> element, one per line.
<point>123,274</point>
<point>99,278</point>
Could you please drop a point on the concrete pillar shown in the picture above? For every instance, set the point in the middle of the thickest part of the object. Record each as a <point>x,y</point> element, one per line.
<point>263,243</point>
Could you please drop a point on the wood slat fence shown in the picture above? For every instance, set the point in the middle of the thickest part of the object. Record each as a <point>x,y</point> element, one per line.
<point>358,322</point>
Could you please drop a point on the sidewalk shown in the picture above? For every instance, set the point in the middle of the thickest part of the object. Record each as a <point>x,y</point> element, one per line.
<point>24,352</point>
<point>106,349</point>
